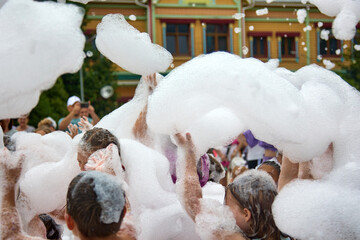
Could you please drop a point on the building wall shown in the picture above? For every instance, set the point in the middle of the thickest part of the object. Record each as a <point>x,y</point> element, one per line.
<point>279,19</point>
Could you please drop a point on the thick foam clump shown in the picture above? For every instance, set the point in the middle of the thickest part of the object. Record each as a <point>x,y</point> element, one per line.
<point>215,82</point>
<point>322,209</point>
<point>155,207</point>
<point>129,48</point>
<point>301,15</point>
<point>43,188</point>
<point>37,149</point>
<point>109,194</point>
<point>215,221</point>
<point>148,177</point>
<point>32,41</point>
<point>347,14</point>
<point>231,94</point>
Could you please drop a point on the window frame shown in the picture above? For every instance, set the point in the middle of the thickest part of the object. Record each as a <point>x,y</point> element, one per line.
<point>331,37</point>
<point>177,35</point>
<point>216,34</point>
<point>267,37</point>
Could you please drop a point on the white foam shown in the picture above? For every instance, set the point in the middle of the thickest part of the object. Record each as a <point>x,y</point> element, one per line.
<point>328,64</point>
<point>262,11</point>
<point>44,187</point>
<point>129,48</point>
<point>324,34</point>
<point>324,209</point>
<point>301,15</point>
<point>44,40</point>
<point>347,16</point>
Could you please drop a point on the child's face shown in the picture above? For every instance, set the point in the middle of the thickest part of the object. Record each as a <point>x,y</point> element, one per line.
<point>241,217</point>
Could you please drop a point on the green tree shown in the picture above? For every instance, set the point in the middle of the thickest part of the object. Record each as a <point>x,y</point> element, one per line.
<point>52,103</point>
<point>97,73</point>
<point>352,70</point>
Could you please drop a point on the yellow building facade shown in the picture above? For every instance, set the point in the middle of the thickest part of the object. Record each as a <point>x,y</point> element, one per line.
<point>248,28</point>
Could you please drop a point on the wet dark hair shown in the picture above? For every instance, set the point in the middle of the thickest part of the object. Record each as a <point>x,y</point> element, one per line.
<point>97,138</point>
<point>273,164</point>
<point>9,143</point>
<point>256,191</point>
<point>85,210</point>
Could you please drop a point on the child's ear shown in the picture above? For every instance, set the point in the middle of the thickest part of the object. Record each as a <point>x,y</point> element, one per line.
<point>69,221</point>
<point>247,214</point>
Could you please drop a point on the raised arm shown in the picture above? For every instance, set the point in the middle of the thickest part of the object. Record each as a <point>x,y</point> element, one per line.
<point>10,221</point>
<point>140,128</point>
<point>67,120</point>
<point>188,181</point>
<point>289,171</point>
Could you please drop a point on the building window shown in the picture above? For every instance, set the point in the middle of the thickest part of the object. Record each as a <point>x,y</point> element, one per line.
<point>260,44</point>
<point>288,47</point>
<point>328,47</point>
<point>259,47</point>
<point>217,37</point>
<point>178,39</point>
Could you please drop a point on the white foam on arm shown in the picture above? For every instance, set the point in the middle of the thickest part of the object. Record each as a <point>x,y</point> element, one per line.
<point>129,48</point>
<point>49,44</point>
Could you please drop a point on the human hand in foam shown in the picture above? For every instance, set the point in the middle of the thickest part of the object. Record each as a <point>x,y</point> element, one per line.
<point>151,81</point>
<point>84,124</point>
<point>11,166</point>
<point>104,160</point>
<point>73,130</point>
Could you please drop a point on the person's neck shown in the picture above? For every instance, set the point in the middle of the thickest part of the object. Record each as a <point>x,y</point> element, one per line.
<point>22,128</point>
<point>111,237</point>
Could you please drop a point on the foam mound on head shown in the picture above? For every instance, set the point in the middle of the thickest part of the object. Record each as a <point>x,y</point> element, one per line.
<point>252,181</point>
<point>41,39</point>
<point>129,48</point>
<point>109,194</point>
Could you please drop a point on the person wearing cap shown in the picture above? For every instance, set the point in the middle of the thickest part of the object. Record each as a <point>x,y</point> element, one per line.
<point>74,106</point>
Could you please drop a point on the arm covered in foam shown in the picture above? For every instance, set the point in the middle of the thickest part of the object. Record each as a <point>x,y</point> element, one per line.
<point>10,173</point>
<point>140,128</point>
<point>187,183</point>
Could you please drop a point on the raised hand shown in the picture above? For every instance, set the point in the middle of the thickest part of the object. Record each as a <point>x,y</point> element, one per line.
<point>73,130</point>
<point>84,124</point>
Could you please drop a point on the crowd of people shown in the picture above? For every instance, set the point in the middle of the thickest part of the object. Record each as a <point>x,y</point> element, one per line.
<point>251,172</point>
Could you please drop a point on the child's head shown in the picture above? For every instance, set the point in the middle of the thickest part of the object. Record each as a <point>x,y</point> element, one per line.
<point>250,197</point>
<point>272,168</point>
<point>93,140</point>
<point>95,204</point>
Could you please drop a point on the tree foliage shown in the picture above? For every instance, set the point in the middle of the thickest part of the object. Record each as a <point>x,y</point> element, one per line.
<point>352,70</point>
